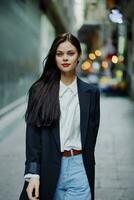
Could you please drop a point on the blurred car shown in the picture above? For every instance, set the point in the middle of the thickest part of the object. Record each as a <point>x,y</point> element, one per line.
<point>104,84</point>
<point>113,86</point>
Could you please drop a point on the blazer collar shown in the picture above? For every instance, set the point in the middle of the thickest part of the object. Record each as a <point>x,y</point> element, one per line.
<point>64,88</point>
<point>82,86</point>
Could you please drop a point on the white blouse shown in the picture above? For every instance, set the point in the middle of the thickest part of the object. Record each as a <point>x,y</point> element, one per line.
<point>70,117</point>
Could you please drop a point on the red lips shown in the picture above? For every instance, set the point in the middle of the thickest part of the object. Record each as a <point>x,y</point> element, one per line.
<point>65,64</point>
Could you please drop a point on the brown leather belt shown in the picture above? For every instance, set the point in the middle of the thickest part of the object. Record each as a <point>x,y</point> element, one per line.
<point>71,152</point>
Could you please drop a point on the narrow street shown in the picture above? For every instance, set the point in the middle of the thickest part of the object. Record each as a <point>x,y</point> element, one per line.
<point>114,154</point>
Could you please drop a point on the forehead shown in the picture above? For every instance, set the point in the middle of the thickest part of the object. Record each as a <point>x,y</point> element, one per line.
<point>66,46</point>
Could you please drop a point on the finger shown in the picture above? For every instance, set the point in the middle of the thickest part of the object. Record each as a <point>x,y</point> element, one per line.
<point>30,192</point>
<point>37,191</point>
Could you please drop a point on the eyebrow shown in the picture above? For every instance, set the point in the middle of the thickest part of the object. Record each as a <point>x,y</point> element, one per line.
<point>71,50</point>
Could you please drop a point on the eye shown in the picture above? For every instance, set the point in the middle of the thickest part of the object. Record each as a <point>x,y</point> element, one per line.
<point>59,54</point>
<point>71,53</point>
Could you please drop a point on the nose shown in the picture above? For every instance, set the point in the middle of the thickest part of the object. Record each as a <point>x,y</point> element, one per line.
<point>65,57</point>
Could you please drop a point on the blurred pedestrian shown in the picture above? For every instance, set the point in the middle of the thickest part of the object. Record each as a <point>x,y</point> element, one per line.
<point>62,121</point>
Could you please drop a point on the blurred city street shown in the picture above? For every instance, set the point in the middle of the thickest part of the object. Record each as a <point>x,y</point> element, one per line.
<point>114,154</point>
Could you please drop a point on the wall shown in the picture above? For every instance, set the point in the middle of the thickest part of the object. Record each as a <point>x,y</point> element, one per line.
<point>19,52</point>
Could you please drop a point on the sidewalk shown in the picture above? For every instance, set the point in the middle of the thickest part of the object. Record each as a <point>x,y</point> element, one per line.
<point>115,150</point>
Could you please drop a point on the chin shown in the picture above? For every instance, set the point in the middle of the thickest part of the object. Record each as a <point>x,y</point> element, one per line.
<point>68,69</point>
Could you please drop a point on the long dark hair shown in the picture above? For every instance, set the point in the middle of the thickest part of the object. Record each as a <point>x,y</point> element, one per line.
<point>43,105</point>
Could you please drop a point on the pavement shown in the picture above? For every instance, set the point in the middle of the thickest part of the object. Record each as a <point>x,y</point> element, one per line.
<point>115,150</point>
<point>114,154</point>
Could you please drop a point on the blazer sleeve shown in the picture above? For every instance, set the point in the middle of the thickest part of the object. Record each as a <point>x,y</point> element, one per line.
<point>33,148</point>
<point>96,114</point>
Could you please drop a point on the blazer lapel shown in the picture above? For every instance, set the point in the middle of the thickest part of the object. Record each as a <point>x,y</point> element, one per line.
<point>84,101</point>
<point>56,134</point>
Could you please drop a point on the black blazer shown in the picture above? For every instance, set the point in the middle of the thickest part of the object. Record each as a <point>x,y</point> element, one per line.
<point>43,154</point>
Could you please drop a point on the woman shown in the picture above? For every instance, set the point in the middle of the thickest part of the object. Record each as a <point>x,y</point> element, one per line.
<point>62,121</point>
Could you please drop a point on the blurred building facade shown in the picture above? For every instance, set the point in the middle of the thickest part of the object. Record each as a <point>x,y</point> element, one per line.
<point>128,15</point>
<point>108,27</point>
<point>19,38</point>
<point>93,30</point>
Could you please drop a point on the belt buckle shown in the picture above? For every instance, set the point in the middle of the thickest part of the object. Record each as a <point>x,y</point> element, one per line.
<point>71,152</point>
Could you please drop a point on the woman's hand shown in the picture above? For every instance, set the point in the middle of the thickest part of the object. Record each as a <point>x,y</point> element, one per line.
<point>33,188</point>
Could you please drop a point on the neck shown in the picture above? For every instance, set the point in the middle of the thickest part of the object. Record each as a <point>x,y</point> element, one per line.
<point>67,78</point>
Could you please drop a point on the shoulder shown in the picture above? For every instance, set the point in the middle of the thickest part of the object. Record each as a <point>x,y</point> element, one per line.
<point>89,86</point>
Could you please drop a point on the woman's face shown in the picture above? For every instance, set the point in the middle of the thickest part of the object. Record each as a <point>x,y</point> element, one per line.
<point>66,57</point>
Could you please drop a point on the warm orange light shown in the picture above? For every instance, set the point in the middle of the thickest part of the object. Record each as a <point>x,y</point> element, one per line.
<point>92,56</point>
<point>98,52</point>
<point>104,64</point>
<point>115,59</point>
<point>86,65</point>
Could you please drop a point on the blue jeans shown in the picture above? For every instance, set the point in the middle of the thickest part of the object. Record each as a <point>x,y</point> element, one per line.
<point>73,183</point>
